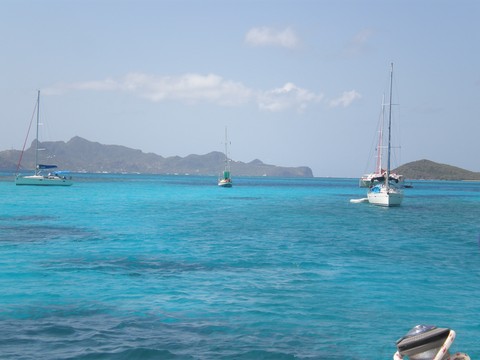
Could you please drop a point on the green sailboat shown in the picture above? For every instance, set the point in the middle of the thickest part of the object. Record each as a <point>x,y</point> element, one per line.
<point>226,179</point>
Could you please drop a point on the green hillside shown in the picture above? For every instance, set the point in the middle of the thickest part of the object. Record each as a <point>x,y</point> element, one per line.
<point>429,170</point>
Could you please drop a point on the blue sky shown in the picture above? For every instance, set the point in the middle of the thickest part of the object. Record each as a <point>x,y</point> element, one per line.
<point>296,82</point>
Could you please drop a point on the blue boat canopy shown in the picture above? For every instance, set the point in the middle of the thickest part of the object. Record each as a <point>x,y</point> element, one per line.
<point>42,166</point>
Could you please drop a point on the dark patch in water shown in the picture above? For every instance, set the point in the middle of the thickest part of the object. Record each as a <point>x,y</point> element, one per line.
<point>244,198</point>
<point>261,354</point>
<point>102,336</point>
<point>22,233</point>
<point>52,331</point>
<point>48,316</point>
<point>131,266</point>
<point>130,354</point>
<point>26,218</point>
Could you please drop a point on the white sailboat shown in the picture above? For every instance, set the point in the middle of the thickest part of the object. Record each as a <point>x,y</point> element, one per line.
<point>226,180</point>
<point>39,178</point>
<point>368,180</point>
<point>384,191</point>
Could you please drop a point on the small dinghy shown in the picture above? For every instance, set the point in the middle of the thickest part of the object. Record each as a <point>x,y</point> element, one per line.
<point>425,342</point>
<point>356,201</point>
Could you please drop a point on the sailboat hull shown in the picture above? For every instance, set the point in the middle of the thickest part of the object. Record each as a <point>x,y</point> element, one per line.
<point>385,197</point>
<point>40,180</point>
<point>225,183</point>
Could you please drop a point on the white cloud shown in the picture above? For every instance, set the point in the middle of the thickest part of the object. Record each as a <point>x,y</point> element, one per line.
<point>265,36</point>
<point>194,88</point>
<point>190,88</point>
<point>286,97</point>
<point>97,85</point>
<point>105,85</point>
<point>345,99</point>
<point>359,43</point>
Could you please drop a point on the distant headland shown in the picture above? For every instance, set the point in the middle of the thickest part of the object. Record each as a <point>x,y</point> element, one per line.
<point>81,155</point>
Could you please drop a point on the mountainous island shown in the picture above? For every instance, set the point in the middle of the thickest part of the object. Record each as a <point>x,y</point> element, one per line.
<point>429,170</point>
<point>81,155</point>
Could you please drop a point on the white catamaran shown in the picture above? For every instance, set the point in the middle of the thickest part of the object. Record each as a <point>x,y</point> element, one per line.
<point>384,191</point>
<point>54,178</point>
<point>226,180</point>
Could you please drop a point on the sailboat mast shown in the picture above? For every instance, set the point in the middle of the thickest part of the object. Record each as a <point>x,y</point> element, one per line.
<point>380,139</point>
<point>226,157</point>
<point>226,149</point>
<point>36,137</point>
<point>389,126</point>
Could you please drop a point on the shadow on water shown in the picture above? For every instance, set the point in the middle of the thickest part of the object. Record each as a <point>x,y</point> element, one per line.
<point>33,228</point>
<point>34,233</point>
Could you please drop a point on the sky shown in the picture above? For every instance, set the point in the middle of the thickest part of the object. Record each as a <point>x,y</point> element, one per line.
<point>295,82</point>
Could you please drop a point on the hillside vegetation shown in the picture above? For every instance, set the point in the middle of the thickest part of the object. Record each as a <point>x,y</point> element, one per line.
<point>429,170</point>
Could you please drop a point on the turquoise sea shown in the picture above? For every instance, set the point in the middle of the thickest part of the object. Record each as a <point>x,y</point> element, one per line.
<point>173,267</point>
